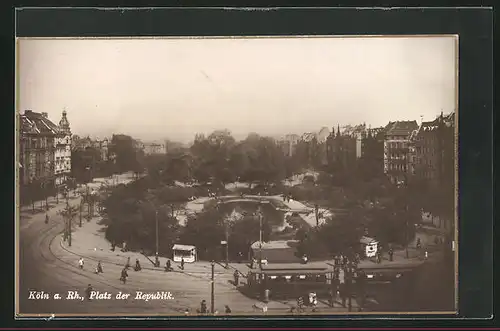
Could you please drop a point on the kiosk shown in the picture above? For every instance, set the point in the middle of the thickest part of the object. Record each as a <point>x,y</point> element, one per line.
<point>188,252</point>
<point>369,246</point>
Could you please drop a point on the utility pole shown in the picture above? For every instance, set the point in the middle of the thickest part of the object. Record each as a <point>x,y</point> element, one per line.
<point>316,210</point>
<point>260,237</point>
<point>81,207</point>
<point>406,239</point>
<point>349,287</point>
<point>88,210</point>
<point>212,296</point>
<point>69,220</point>
<point>406,217</point>
<point>227,243</point>
<point>157,241</point>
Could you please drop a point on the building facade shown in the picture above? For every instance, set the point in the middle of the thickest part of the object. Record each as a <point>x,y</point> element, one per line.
<point>372,152</point>
<point>62,156</point>
<point>341,150</point>
<point>397,156</point>
<point>433,146</point>
<point>154,148</point>
<point>288,144</point>
<point>37,136</point>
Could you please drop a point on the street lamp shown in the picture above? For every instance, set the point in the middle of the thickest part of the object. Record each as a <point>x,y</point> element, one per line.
<point>157,239</point>
<point>259,213</point>
<point>212,295</point>
<point>349,285</point>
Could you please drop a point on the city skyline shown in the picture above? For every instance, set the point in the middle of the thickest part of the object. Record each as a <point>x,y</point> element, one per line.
<point>271,86</point>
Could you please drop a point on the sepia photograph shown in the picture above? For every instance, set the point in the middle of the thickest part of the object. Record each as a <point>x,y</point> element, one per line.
<point>236,176</point>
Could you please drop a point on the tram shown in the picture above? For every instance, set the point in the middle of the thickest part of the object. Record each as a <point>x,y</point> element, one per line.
<point>285,281</point>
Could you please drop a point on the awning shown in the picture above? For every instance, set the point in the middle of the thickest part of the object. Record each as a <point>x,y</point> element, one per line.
<point>178,247</point>
<point>367,240</point>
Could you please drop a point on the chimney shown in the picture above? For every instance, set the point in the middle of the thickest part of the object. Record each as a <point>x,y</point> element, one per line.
<point>45,115</point>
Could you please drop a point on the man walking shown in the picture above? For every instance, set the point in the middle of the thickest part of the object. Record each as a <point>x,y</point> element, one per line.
<point>88,292</point>
<point>80,263</point>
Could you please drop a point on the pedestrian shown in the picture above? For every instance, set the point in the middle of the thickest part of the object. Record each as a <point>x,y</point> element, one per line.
<point>182,263</point>
<point>137,265</point>
<point>236,277</point>
<point>203,307</point>
<point>157,261</point>
<point>99,268</point>
<point>300,303</point>
<point>240,257</point>
<point>81,263</point>
<point>391,254</point>
<point>128,263</point>
<point>124,275</point>
<point>331,297</point>
<point>227,309</point>
<point>304,259</point>
<point>379,257</point>
<point>186,311</point>
<point>88,292</point>
<point>168,266</point>
<point>419,244</point>
<point>267,293</point>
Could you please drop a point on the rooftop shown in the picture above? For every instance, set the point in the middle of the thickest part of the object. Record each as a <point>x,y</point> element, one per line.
<point>183,247</point>
<point>401,128</point>
<point>37,123</point>
<point>314,265</point>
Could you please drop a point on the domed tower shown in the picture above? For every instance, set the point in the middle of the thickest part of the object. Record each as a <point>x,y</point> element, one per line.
<point>64,124</point>
<point>63,151</point>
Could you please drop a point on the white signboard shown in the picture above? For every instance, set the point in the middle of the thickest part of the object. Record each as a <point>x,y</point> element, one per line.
<point>371,249</point>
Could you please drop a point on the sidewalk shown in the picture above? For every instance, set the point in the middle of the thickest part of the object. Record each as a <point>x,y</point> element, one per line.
<point>89,242</point>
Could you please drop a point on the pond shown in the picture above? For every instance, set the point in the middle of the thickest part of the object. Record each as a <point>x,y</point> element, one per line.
<point>275,218</point>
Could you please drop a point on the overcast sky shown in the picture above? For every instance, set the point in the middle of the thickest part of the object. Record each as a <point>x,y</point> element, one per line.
<point>173,88</point>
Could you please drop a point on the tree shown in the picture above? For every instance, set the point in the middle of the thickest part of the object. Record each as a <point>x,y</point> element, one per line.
<point>341,234</point>
<point>68,213</point>
<point>206,233</point>
<point>123,147</point>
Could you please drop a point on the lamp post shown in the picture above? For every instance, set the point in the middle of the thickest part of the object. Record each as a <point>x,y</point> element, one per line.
<point>157,240</point>
<point>259,213</point>
<point>316,213</point>
<point>349,286</point>
<point>67,214</point>
<point>226,223</point>
<point>212,295</point>
<point>405,187</point>
<point>81,204</point>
